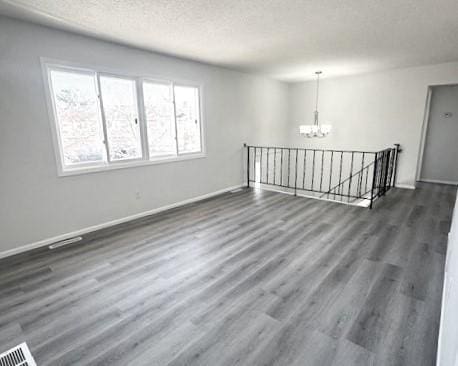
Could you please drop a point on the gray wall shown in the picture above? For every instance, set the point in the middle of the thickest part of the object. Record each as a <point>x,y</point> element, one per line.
<point>36,204</point>
<point>371,111</point>
<point>440,158</point>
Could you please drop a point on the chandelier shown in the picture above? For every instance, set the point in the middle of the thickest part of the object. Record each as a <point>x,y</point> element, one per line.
<point>317,129</point>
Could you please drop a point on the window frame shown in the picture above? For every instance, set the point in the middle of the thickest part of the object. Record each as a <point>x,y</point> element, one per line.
<point>163,82</point>
<point>175,116</point>
<point>84,168</point>
<point>100,75</point>
<point>172,85</point>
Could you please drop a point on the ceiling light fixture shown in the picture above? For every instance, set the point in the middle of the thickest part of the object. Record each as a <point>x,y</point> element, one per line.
<point>315,130</point>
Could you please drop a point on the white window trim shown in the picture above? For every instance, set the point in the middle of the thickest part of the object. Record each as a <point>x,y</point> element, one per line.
<point>86,168</point>
<point>172,84</point>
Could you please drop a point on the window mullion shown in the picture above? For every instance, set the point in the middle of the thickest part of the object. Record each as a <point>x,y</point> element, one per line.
<point>175,118</point>
<point>104,124</point>
<point>142,119</point>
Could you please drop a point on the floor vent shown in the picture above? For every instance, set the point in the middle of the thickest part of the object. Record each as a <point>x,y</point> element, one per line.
<point>17,356</point>
<point>65,242</point>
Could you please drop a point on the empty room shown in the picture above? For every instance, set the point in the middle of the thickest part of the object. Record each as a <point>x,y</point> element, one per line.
<point>218,183</point>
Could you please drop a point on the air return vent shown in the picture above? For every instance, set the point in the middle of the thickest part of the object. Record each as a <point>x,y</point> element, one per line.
<point>17,356</point>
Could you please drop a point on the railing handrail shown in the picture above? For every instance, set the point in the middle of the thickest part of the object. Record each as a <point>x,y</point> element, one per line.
<point>310,149</point>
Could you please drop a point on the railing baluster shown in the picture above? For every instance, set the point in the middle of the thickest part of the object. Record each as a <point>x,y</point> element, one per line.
<point>248,167</point>
<point>388,167</point>
<point>393,157</point>
<point>393,152</point>
<point>330,172</point>
<point>389,170</point>
<point>305,165</point>
<point>260,168</point>
<point>340,172</point>
<point>255,160</point>
<point>351,172</point>
<point>295,175</point>
<point>281,168</point>
<point>388,153</point>
<point>361,176</point>
<point>382,172</point>
<point>382,161</point>
<point>396,158</point>
<point>374,180</point>
<point>379,174</point>
<point>367,177</point>
<point>275,165</point>
<point>289,164</point>
<point>322,163</point>
<point>268,154</point>
<point>313,169</point>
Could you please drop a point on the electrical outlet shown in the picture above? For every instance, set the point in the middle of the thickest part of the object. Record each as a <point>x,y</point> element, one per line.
<point>137,195</point>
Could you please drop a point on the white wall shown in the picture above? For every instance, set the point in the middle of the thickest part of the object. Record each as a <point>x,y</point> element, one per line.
<point>36,204</point>
<point>448,334</point>
<point>371,111</point>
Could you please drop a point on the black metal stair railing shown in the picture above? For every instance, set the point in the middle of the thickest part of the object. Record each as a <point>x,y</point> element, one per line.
<point>345,185</point>
<point>341,175</point>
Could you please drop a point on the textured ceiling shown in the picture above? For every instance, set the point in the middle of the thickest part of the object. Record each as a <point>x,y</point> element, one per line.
<point>285,39</point>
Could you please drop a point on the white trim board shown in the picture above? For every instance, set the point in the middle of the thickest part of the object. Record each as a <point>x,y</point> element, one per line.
<point>304,195</point>
<point>439,181</point>
<point>424,129</point>
<point>405,186</point>
<point>86,230</point>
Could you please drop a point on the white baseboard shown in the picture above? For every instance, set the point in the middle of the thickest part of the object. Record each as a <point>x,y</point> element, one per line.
<point>405,186</point>
<point>86,230</point>
<point>439,181</point>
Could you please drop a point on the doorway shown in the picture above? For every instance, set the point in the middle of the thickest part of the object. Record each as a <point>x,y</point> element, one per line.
<point>440,153</point>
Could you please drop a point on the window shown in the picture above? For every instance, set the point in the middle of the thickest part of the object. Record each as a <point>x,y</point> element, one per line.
<point>121,118</point>
<point>78,117</point>
<point>160,118</point>
<point>104,121</point>
<point>187,118</point>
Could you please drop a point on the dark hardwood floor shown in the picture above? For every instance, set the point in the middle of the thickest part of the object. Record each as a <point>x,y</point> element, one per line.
<point>245,278</point>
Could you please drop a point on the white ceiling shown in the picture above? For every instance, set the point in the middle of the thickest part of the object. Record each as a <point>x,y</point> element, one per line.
<point>284,39</point>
